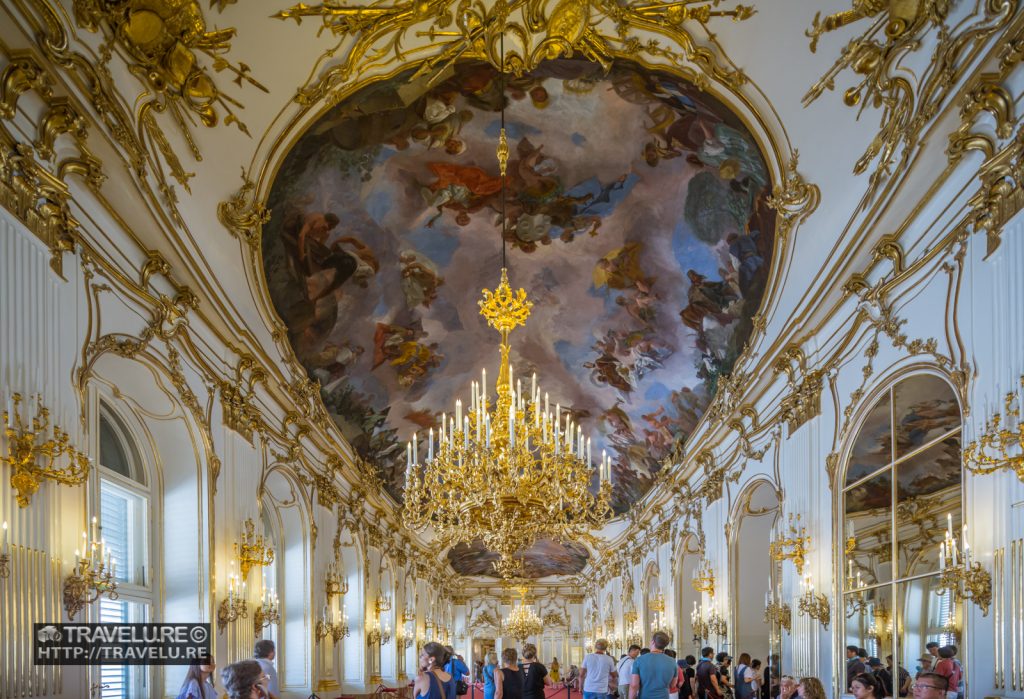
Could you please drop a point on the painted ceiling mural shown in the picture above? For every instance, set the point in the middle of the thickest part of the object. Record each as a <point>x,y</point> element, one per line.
<point>544,558</point>
<point>635,219</point>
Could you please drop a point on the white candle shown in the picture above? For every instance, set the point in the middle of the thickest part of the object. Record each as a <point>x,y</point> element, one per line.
<point>458,412</point>
<point>430,446</point>
<point>415,448</point>
<point>3,541</point>
<point>942,555</point>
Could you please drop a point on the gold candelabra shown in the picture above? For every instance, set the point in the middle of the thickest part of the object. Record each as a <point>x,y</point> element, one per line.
<point>406,637</point>
<point>778,614</point>
<point>716,624</point>
<point>814,604</point>
<point>35,447</point>
<point>5,555</point>
<point>376,634</point>
<point>855,602</point>
<point>234,606</point>
<point>326,626</point>
<point>791,544</point>
<point>630,615</point>
<point>408,615</point>
<point>632,635</point>
<point>335,582</point>
<point>267,613</point>
<point>700,626</point>
<point>961,576</point>
<point>704,578</point>
<point>382,603</point>
<point>93,576</point>
<point>523,471</point>
<point>880,627</point>
<point>658,603</point>
<point>252,551</point>
<point>991,452</point>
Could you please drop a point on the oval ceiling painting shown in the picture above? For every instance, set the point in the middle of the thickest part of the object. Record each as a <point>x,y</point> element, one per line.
<point>635,218</point>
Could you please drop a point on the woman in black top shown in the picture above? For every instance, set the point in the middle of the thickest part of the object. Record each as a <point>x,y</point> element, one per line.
<point>535,675</point>
<point>508,680</point>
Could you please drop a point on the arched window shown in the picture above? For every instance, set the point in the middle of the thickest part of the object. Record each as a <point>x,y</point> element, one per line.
<point>901,494</point>
<point>124,518</point>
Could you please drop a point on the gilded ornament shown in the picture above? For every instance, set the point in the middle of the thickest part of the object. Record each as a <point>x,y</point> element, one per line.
<point>1000,195</point>
<point>22,74</point>
<point>794,200</point>
<point>243,216</point>
<point>897,29</point>
<point>596,30</point>
<point>163,42</point>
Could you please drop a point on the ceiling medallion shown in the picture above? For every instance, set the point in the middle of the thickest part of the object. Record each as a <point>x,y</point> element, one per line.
<point>512,472</point>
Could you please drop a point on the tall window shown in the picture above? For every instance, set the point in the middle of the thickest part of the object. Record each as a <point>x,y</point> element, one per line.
<point>902,492</point>
<point>124,520</point>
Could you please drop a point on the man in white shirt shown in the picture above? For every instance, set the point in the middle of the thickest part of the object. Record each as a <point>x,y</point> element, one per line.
<point>625,670</point>
<point>597,672</point>
<point>264,653</point>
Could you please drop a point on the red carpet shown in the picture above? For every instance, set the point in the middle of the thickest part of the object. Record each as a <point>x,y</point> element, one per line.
<point>477,692</point>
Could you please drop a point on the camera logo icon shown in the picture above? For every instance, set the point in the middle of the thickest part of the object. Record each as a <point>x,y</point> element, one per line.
<point>49,633</point>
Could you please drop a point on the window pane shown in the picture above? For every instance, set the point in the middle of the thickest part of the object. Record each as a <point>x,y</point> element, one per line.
<point>112,453</point>
<point>873,448</point>
<point>928,498</point>
<point>925,410</point>
<point>122,681</point>
<point>868,526</point>
<point>122,517</point>
<point>925,616</point>
<point>868,621</point>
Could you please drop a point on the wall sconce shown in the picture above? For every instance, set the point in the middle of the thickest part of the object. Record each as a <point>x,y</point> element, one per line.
<point>252,551</point>
<point>959,575</point>
<point>382,603</point>
<point>791,544</point>
<point>990,452</point>
<point>326,627</point>
<point>855,602</point>
<point>5,554</point>
<point>629,616</point>
<point>267,613</point>
<point>335,584</point>
<point>34,448</point>
<point>815,605</point>
<point>406,638</point>
<point>700,627</point>
<point>408,615</point>
<point>777,613</point>
<point>609,624</point>
<point>704,578</point>
<point>658,603</point>
<point>373,636</point>
<point>232,607</point>
<point>716,624</point>
<point>93,576</point>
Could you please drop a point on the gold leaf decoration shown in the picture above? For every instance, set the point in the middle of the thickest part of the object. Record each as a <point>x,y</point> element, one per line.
<point>163,42</point>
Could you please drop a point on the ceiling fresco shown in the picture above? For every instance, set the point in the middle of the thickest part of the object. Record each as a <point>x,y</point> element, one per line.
<point>635,219</point>
<point>542,559</point>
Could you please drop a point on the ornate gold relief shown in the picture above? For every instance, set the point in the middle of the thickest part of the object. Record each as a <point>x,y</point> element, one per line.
<point>243,215</point>
<point>794,200</point>
<point>534,31</point>
<point>36,198</point>
<point>21,75</point>
<point>804,399</point>
<point>239,413</point>
<point>161,42</point>
<point>907,103</point>
<point>1001,194</point>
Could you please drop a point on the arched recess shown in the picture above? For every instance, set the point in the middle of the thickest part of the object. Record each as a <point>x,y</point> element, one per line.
<point>650,588</point>
<point>753,516</point>
<point>388,615</point>
<point>900,498</point>
<point>350,653</point>
<point>686,559</point>
<point>285,508</point>
<point>173,452</point>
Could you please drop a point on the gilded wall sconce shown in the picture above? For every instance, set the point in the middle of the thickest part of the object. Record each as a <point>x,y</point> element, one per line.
<point>94,574</point>
<point>252,550</point>
<point>778,614</point>
<point>704,578</point>
<point>326,626</point>
<point>814,604</point>
<point>991,452</point>
<point>700,626</point>
<point>960,575</point>
<point>234,606</point>
<point>335,584</point>
<point>267,613</point>
<point>35,447</point>
<point>791,544</point>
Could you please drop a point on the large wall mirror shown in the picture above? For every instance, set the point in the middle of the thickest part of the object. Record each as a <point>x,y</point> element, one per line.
<point>902,493</point>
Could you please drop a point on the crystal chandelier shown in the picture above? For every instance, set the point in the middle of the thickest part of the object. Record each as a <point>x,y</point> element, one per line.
<point>506,469</point>
<point>522,621</point>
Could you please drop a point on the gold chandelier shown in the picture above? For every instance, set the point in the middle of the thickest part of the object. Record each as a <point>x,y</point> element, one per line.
<point>522,621</point>
<point>511,471</point>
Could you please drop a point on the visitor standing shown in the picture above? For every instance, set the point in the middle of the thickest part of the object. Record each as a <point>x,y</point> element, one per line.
<point>487,673</point>
<point>432,680</point>
<point>950,669</point>
<point>787,687</point>
<point>867,686</point>
<point>264,653</point>
<point>535,675</point>
<point>508,680</point>
<point>854,666</point>
<point>811,688</point>
<point>689,688</point>
<point>708,686</point>
<point>597,672</point>
<point>198,682</point>
<point>655,675</point>
<point>929,685</point>
<point>744,690</point>
<point>624,670</point>
<point>242,680</point>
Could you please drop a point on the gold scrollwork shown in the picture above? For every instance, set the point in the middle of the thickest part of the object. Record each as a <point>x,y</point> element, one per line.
<point>243,215</point>
<point>907,104</point>
<point>460,30</point>
<point>1001,194</point>
<point>162,41</point>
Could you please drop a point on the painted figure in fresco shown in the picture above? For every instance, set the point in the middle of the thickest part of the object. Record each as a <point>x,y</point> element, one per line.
<point>618,425</point>
<point>620,269</point>
<point>607,369</point>
<point>463,189</point>
<point>743,248</point>
<point>707,298</point>
<point>399,347</point>
<point>332,362</point>
<point>420,279</point>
